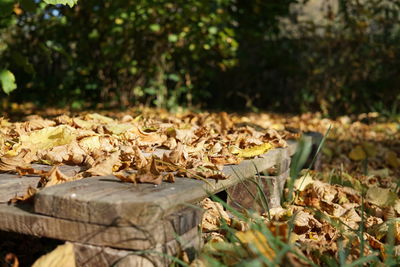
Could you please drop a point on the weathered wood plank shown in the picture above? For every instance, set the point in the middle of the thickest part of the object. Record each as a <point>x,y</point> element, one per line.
<point>12,186</point>
<point>106,200</point>
<point>22,220</point>
<point>96,256</point>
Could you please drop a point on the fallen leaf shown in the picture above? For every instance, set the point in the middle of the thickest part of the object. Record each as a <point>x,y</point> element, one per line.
<point>381,197</point>
<point>11,260</point>
<point>105,165</point>
<point>358,153</point>
<point>22,159</point>
<point>149,174</point>
<point>258,240</point>
<point>63,255</point>
<point>302,182</point>
<point>252,151</point>
<point>99,118</point>
<point>213,215</point>
<point>55,176</point>
<point>370,149</point>
<point>392,159</point>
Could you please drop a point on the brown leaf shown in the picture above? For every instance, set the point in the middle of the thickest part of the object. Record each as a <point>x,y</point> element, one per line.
<point>129,178</point>
<point>11,260</point>
<point>140,160</point>
<point>55,176</point>
<point>169,177</point>
<point>105,165</point>
<point>25,198</point>
<point>10,163</point>
<point>213,215</point>
<point>149,174</point>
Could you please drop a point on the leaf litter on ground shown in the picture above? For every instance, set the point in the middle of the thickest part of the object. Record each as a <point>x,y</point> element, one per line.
<point>348,209</point>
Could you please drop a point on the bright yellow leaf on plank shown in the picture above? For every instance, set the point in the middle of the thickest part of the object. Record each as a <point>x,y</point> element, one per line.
<point>250,152</point>
<point>258,240</point>
<point>47,138</point>
<point>358,153</point>
<point>63,255</point>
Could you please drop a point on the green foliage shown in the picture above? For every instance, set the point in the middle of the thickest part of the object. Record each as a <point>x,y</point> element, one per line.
<point>71,3</point>
<point>169,53</point>
<point>345,62</point>
<point>7,81</point>
<point>7,78</point>
<point>6,7</point>
<point>124,52</point>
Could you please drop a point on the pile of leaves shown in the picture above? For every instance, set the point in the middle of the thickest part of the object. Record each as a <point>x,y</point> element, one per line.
<point>149,148</point>
<point>346,212</point>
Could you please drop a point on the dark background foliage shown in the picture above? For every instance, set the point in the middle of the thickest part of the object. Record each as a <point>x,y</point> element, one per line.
<point>222,54</point>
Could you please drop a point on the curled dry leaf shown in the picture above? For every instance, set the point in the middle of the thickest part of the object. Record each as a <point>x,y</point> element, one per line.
<point>213,215</point>
<point>11,163</point>
<point>55,176</point>
<point>105,165</point>
<point>149,173</point>
<point>304,221</point>
<point>28,196</point>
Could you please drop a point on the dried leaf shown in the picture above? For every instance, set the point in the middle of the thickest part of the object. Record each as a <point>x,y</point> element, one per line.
<point>63,255</point>
<point>392,159</point>
<point>381,197</point>
<point>55,176</point>
<point>258,240</point>
<point>252,151</point>
<point>149,174</point>
<point>105,165</point>
<point>22,160</point>
<point>302,182</point>
<point>213,215</point>
<point>11,260</point>
<point>358,153</point>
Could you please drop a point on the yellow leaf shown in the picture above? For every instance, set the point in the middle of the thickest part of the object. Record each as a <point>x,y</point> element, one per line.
<point>63,255</point>
<point>90,143</point>
<point>48,138</point>
<point>381,197</point>
<point>119,128</point>
<point>301,183</point>
<point>258,240</point>
<point>392,159</point>
<point>369,148</point>
<point>250,152</point>
<point>83,124</point>
<point>357,153</point>
<point>99,118</point>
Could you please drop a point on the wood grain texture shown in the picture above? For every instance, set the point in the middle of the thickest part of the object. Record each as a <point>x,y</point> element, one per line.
<point>12,185</point>
<point>21,220</point>
<point>106,200</point>
<point>96,256</point>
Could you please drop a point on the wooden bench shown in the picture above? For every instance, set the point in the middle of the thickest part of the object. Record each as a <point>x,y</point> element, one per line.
<point>122,224</point>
